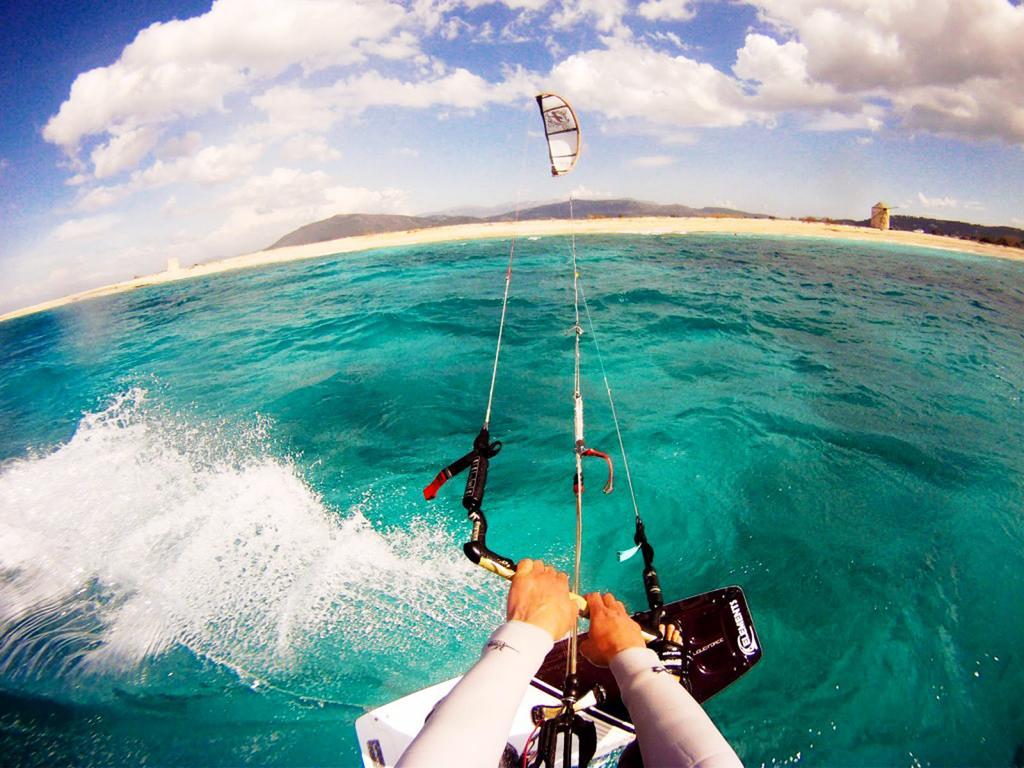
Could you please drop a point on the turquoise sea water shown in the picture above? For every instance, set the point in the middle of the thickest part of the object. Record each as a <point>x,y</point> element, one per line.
<point>214,548</point>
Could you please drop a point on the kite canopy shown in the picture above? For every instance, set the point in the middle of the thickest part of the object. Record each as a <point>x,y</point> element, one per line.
<point>562,130</point>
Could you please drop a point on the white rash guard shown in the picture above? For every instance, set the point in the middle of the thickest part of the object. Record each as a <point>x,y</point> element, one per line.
<point>671,727</point>
<point>470,725</point>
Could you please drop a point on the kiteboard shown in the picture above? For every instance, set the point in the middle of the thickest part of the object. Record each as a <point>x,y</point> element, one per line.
<point>386,732</point>
<point>719,644</point>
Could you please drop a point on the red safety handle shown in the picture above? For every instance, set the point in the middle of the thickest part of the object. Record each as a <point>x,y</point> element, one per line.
<point>435,485</point>
<point>608,486</point>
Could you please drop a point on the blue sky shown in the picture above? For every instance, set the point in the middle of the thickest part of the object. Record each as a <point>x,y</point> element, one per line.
<point>134,132</point>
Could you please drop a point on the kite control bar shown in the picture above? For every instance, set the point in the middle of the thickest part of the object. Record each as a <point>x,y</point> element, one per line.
<point>476,549</point>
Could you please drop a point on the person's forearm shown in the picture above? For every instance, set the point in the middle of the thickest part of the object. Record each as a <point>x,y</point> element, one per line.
<point>671,726</point>
<point>470,726</point>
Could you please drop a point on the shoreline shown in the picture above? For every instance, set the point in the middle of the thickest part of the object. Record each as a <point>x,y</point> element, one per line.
<point>543,227</point>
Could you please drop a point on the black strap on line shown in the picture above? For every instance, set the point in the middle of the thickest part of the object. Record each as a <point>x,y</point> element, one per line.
<point>483,451</point>
<point>652,587</point>
<point>477,461</point>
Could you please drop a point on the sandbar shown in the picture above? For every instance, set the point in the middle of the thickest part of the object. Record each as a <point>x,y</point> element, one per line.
<point>540,228</point>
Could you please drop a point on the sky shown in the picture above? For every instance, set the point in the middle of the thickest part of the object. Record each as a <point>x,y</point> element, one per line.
<point>134,131</point>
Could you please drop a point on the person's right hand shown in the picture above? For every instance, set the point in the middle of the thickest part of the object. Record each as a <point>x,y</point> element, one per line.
<point>611,630</point>
<point>539,595</point>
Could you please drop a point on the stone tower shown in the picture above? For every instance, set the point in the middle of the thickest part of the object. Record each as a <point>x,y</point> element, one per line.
<point>880,216</point>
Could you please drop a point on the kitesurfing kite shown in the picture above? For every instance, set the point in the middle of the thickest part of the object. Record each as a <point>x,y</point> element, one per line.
<point>562,130</point>
<point>574,705</point>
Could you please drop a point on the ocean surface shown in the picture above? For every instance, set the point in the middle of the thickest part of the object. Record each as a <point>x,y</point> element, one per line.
<point>214,549</point>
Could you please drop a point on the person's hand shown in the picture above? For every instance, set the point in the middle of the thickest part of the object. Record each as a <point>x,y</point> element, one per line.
<point>611,630</point>
<point>539,595</point>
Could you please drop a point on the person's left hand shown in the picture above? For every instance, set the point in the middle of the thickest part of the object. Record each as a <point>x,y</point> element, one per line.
<point>539,595</point>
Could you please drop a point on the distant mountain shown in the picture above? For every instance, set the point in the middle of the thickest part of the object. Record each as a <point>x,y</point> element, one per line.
<point>982,233</point>
<point>486,211</point>
<point>348,225</point>
<point>619,208</point>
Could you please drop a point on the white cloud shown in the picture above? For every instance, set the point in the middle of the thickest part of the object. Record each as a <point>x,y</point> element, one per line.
<point>216,164</point>
<point>461,89</point>
<point>632,83</point>
<point>170,206</point>
<point>314,191</point>
<point>265,207</point>
<point>780,70</point>
<point>123,151</point>
<point>210,165</point>
<point>667,10</point>
<point>317,109</point>
<point>306,147</point>
<point>937,202</point>
<point>102,197</point>
<point>86,227</point>
<point>195,226</point>
<point>862,44</point>
<point>553,45</point>
<point>978,108</point>
<point>652,161</point>
<point>679,138</point>
<point>525,5</point>
<point>583,192</point>
<point>869,118</point>
<point>661,133</point>
<point>180,146</point>
<point>951,67</point>
<point>453,28</point>
<point>187,67</point>
<point>606,14</point>
<point>292,109</point>
<point>403,45</point>
<point>342,199</point>
<point>660,36</point>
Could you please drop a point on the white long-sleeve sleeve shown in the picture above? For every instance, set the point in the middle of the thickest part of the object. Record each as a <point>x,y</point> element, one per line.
<point>672,728</point>
<point>470,726</point>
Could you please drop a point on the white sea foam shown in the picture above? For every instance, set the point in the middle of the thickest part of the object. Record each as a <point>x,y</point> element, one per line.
<point>144,532</point>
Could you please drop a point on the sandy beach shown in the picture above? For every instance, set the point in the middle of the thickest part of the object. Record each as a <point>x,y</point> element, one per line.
<point>636,226</point>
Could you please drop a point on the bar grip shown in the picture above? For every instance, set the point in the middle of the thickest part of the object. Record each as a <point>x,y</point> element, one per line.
<point>507,573</point>
<point>476,483</point>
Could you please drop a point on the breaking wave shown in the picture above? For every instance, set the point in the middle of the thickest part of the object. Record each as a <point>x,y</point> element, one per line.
<point>146,533</point>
